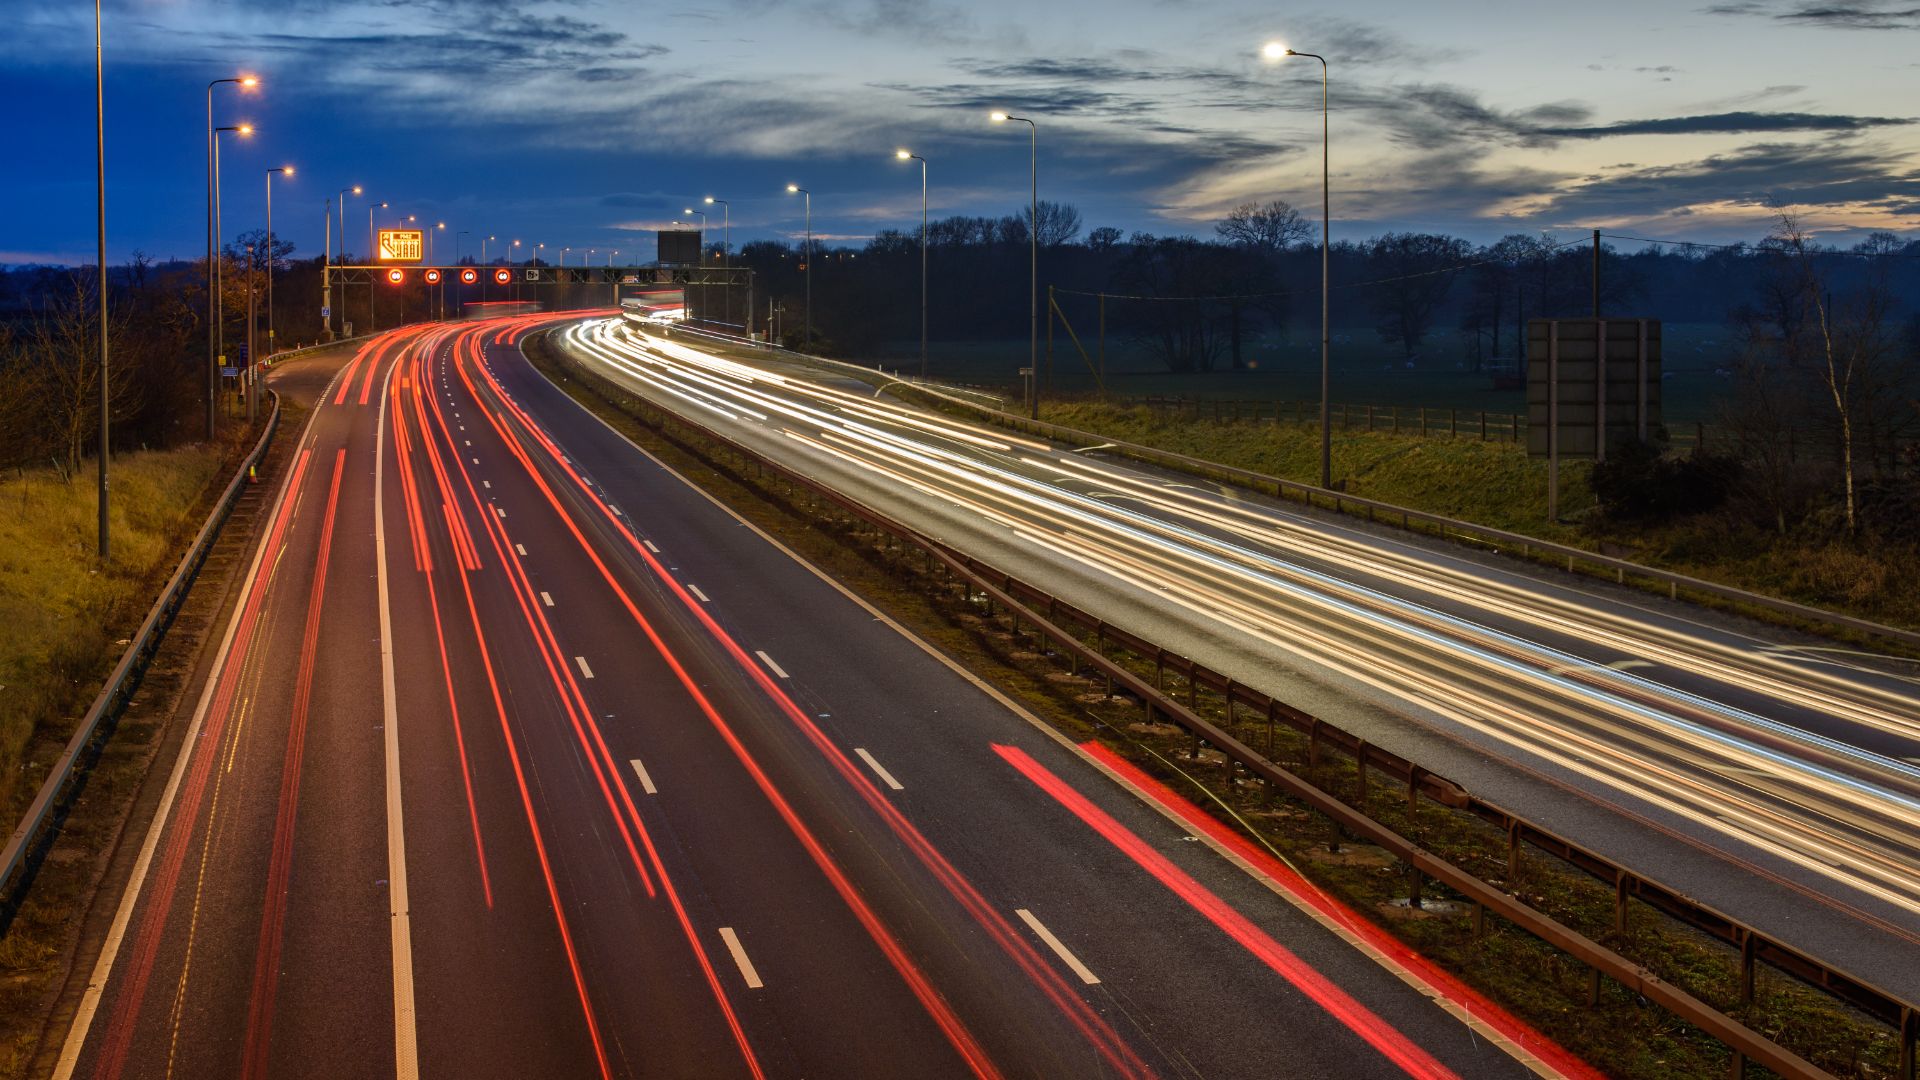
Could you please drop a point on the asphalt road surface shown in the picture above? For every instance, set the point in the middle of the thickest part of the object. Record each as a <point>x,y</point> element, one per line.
<point>1646,730</point>
<point>523,758</point>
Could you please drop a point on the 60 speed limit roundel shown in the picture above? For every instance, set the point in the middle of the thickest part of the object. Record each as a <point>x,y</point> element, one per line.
<point>432,276</point>
<point>396,276</point>
<point>502,276</point>
<point>469,276</point>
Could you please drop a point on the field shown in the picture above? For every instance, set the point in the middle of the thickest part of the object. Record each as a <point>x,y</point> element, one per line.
<point>1364,371</point>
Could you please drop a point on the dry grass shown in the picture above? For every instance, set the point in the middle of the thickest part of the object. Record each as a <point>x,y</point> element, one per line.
<point>62,614</point>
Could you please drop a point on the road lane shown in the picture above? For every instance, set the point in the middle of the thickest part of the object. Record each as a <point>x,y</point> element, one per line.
<point>1792,771</point>
<point>482,786</point>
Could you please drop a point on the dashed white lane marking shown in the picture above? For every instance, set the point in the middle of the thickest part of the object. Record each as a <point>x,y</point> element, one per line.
<point>488,484</point>
<point>500,510</point>
<point>646,782</point>
<point>476,461</point>
<point>1059,949</point>
<point>546,599</point>
<point>768,660</point>
<point>616,510</point>
<point>469,442</point>
<point>584,669</point>
<point>879,770</point>
<point>695,590</point>
<point>521,548</point>
<point>650,546</point>
<point>740,957</point>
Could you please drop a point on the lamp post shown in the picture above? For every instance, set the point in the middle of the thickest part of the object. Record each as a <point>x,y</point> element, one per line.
<point>286,170</point>
<point>219,267</point>
<point>440,290</point>
<point>342,241</point>
<point>373,257</point>
<point>484,276</point>
<point>908,155</point>
<point>806,263</point>
<point>213,289</point>
<point>460,294</point>
<point>1276,51</point>
<point>100,220</point>
<point>613,282</point>
<point>1033,256</point>
<point>726,249</point>
<point>700,256</point>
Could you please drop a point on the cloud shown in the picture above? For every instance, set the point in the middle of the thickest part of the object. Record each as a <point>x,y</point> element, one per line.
<point>1831,173</point>
<point>1856,16</point>
<point>1725,124</point>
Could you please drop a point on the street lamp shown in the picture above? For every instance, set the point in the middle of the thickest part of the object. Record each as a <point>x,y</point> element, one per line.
<point>100,191</point>
<point>285,170</point>
<point>563,255</point>
<point>1033,254</point>
<point>806,263</point>
<point>341,233</point>
<point>440,290</point>
<point>1274,50</point>
<point>908,155</point>
<point>246,82</point>
<point>373,257</point>
<point>219,302</point>
<point>460,294</point>
<point>483,262</point>
<point>726,247</point>
<point>613,282</point>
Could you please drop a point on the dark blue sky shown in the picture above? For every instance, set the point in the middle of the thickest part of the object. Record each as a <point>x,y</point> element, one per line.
<point>590,124</point>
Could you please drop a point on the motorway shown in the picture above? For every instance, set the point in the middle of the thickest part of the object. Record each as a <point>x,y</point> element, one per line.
<point>521,757</point>
<point>1644,729</point>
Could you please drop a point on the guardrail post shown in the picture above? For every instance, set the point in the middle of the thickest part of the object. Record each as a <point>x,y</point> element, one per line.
<point>1909,1036</point>
<point>1746,967</point>
<point>1513,855</point>
<point>1620,901</point>
<point>1313,747</point>
<point>1269,728</point>
<point>1413,788</point>
<point>1414,902</point>
<point>1360,772</point>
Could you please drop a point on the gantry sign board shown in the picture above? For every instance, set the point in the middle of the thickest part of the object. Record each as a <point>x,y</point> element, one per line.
<point>1588,376</point>
<point>401,245</point>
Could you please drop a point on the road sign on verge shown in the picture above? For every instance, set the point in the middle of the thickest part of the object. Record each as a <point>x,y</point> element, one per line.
<point>229,372</point>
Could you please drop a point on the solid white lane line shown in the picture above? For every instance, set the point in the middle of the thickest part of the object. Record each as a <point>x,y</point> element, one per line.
<point>1060,950</point>
<point>546,599</point>
<point>584,669</point>
<point>695,590</point>
<point>646,782</point>
<point>405,1039</point>
<point>650,546</point>
<point>740,957</point>
<point>879,770</point>
<point>521,548</point>
<point>768,660</point>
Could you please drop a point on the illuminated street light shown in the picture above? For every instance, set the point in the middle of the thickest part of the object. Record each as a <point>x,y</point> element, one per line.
<point>908,155</point>
<point>726,248</point>
<point>1274,50</point>
<point>246,82</point>
<point>340,234</point>
<point>219,305</point>
<point>284,170</point>
<point>806,262</point>
<point>1033,254</point>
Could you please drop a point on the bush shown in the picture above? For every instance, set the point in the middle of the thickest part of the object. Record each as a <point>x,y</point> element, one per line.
<point>1640,482</point>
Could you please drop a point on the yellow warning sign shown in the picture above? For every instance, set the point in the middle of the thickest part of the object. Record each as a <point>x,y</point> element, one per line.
<point>400,245</point>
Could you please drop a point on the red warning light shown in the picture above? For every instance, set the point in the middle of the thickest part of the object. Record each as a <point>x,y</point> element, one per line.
<point>432,276</point>
<point>502,276</point>
<point>396,276</point>
<point>469,276</point>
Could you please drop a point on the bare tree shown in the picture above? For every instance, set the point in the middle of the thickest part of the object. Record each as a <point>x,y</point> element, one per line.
<point>1847,339</point>
<point>1270,227</point>
<point>1059,223</point>
<point>1417,270</point>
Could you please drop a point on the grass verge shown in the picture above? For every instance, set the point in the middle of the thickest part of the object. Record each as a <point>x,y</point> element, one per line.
<point>64,615</point>
<point>1616,1031</point>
